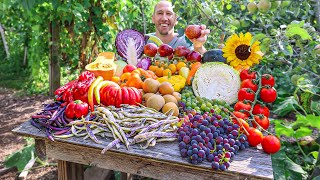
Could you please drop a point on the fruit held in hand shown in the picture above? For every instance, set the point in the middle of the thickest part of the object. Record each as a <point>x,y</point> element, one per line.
<point>150,49</point>
<point>181,51</point>
<point>194,56</point>
<point>193,31</point>
<point>165,50</point>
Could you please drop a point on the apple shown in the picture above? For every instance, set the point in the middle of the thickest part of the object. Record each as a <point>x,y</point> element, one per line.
<point>181,51</point>
<point>129,68</point>
<point>150,49</point>
<point>193,31</point>
<point>165,50</point>
<point>194,56</point>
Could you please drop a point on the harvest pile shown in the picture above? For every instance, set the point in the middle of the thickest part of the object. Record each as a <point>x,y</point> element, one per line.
<point>150,92</point>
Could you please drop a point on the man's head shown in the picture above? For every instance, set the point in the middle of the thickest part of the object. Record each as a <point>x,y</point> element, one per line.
<point>164,18</point>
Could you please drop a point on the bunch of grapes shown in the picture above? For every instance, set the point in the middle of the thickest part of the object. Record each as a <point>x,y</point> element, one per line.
<point>189,102</point>
<point>210,137</point>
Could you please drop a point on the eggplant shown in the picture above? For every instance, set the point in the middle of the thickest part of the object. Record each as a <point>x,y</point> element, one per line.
<point>213,55</point>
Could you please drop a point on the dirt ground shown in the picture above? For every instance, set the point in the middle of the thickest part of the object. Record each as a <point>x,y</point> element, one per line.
<point>14,110</point>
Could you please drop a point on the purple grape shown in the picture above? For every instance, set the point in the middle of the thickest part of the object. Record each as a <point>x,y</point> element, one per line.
<point>205,123</point>
<point>207,130</point>
<point>221,123</point>
<point>183,152</point>
<point>225,141</point>
<point>215,165</point>
<point>234,132</point>
<point>210,136</point>
<point>189,153</point>
<point>201,153</point>
<point>216,159</point>
<point>203,134</point>
<point>226,146</point>
<point>219,139</point>
<point>186,139</point>
<point>210,157</point>
<point>231,142</point>
<point>195,132</point>
<point>195,150</point>
<point>222,167</point>
<point>182,145</point>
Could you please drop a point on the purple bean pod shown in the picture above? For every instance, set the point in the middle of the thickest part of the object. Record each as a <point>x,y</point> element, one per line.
<point>91,135</point>
<point>49,135</point>
<point>66,131</point>
<point>35,124</point>
<point>63,120</point>
<point>110,145</point>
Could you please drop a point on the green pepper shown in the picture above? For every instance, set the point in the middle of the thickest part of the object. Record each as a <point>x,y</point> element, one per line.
<point>177,81</point>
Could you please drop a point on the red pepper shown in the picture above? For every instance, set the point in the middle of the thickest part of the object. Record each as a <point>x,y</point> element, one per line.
<point>77,109</point>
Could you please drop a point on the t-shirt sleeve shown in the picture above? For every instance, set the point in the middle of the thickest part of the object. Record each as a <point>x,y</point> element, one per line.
<point>183,41</point>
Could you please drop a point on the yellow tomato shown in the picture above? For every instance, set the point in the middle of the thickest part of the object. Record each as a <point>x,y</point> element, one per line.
<point>166,72</point>
<point>180,65</point>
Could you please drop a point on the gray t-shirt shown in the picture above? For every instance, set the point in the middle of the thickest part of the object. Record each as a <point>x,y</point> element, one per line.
<point>178,41</point>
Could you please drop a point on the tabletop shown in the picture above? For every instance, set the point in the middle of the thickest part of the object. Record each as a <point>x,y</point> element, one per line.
<point>163,161</point>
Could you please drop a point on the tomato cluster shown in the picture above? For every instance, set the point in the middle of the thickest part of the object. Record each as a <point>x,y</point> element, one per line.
<point>251,112</point>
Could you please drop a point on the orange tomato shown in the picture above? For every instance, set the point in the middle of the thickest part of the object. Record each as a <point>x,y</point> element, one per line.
<point>166,72</point>
<point>159,71</point>
<point>173,68</point>
<point>153,68</point>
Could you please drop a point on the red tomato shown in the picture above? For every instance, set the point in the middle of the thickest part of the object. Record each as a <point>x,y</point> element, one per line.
<point>249,83</point>
<point>267,79</point>
<point>129,68</point>
<point>240,105</point>
<point>247,74</point>
<point>262,121</point>
<point>246,94</point>
<point>268,94</point>
<point>261,109</point>
<point>271,144</point>
<point>255,136</point>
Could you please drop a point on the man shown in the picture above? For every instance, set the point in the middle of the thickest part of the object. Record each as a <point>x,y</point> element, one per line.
<point>165,19</point>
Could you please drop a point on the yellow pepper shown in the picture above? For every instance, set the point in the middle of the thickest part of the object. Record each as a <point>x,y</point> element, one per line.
<point>177,81</point>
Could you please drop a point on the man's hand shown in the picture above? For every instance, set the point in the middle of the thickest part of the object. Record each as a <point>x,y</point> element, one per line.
<point>198,43</point>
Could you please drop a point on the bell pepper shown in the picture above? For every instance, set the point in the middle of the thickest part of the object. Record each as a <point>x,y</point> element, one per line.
<point>76,109</point>
<point>177,81</point>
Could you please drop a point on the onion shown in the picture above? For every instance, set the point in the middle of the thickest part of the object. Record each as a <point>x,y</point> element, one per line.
<point>144,63</point>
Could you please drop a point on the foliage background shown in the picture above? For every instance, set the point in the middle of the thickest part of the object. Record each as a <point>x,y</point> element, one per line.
<point>288,32</point>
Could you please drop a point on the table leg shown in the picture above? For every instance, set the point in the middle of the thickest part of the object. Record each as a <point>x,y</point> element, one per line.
<point>126,176</point>
<point>70,171</point>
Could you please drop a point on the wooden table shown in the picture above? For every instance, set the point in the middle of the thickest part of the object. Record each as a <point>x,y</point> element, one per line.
<point>160,162</point>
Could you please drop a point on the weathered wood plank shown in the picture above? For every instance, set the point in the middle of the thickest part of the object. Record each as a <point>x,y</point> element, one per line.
<point>251,163</point>
<point>68,170</point>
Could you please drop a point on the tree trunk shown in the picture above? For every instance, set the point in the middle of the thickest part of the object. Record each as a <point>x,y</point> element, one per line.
<point>317,10</point>
<point>4,42</point>
<point>54,48</point>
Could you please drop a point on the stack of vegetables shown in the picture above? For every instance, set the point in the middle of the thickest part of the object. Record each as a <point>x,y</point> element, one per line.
<point>150,92</point>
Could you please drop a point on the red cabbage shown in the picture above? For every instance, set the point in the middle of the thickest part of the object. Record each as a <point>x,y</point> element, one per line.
<point>144,63</point>
<point>123,40</point>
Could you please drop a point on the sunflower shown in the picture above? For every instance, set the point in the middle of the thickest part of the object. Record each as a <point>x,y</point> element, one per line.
<point>239,53</point>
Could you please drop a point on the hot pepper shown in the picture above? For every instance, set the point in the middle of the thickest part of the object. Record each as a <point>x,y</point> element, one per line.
<point>192,72</point>
<point>77,109</point>
<point>178,82</point>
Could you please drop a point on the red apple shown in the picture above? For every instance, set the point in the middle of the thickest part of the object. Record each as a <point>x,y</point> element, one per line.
<point>165,50</point>
<point>181,51</point>
<point>150,49</point>
<point>129,68</point>
<point>193,31</point>
<point>194,56</point>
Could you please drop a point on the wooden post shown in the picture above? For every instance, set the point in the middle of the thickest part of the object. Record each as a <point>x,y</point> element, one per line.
<point>54,67</point>
<point>70,171</point>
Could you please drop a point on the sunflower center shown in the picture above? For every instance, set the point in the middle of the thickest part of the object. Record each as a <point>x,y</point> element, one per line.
<point>242,52</point>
